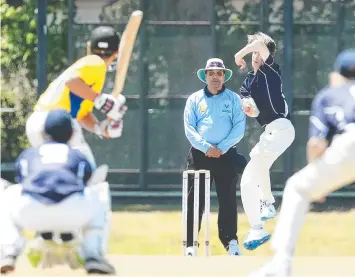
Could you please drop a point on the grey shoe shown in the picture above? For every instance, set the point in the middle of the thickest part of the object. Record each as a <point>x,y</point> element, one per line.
<point>233,248</point>
<point>95,266</point>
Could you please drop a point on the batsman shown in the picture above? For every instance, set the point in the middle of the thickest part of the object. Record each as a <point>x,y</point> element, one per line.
<point>78,91</point>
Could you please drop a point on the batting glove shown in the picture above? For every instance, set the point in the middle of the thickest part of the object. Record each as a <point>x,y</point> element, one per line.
<point>109,105</point>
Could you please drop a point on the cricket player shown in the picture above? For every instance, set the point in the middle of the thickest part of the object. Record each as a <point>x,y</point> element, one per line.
<point>262,98</point>
<point>331,161</point>
<point>53,197</point>
<point>78,91</point>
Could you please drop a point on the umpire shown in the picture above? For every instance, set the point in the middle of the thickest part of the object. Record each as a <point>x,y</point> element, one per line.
<point>214,123</point>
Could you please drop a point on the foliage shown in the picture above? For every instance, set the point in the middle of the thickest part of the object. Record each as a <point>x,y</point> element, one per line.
<point>18,66</point>
<point>19,39</point>
<point>17,99</point>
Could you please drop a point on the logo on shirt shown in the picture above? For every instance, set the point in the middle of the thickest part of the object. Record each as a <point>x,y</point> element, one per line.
<point>226,108</point>
<point>202,108</point>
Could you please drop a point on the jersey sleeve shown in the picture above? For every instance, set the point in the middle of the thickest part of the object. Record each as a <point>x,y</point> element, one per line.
<point>92,70</point>
<point>318,125</point>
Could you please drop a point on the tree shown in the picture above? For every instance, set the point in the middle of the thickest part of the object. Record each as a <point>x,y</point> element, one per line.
<point>18,65</point>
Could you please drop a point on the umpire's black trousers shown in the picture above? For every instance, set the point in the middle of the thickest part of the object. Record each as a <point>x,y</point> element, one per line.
<point>225,171</point>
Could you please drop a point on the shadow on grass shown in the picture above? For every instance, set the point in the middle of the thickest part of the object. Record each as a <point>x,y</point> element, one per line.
<point>174,204</point>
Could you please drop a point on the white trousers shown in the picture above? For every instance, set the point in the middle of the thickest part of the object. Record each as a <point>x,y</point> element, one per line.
<point>88,212</point>
<point>255,183</point>
<point>334,170</point>
<point>36,136</point>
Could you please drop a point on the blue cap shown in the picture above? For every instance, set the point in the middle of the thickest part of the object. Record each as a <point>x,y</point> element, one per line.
<point>345,64</point>
<point>58,125</point>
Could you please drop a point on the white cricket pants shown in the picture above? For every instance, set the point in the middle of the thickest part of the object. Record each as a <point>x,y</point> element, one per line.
<point>36,136</point>
<point>255,183</point>
<point>89,211</point>
<point>334,170</point>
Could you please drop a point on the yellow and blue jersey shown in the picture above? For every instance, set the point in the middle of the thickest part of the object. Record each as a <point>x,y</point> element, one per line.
<point>92,70</point>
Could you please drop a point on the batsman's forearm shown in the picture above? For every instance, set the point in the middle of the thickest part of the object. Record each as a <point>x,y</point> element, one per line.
<point>81,89</point>
<point>89,122</point>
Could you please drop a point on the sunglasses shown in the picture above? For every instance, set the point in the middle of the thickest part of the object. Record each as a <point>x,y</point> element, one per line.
<point>212,73</point>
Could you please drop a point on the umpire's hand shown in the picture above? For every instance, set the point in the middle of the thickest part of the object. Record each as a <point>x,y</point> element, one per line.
<point>213,152</point>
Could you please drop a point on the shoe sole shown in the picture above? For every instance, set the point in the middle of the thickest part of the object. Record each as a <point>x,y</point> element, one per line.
<point>264,218</point>
<point>252,245</point>
<point>6,269</point>
<point>99,268</point>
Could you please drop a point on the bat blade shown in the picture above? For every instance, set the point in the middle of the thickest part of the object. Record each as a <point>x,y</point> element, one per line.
<point>125,51</point>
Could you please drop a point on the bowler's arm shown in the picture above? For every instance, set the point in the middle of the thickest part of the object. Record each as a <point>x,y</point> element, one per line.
<point>255,46</point>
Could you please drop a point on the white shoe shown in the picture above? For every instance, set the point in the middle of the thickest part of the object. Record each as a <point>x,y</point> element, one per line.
<point>233,248</point>
<point>280,268</point>
<point>267,211</point>
<point>190,251</point>
<point>256,238</point>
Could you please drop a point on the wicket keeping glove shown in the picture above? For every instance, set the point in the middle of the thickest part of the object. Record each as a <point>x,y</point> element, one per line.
<point>109,105</point>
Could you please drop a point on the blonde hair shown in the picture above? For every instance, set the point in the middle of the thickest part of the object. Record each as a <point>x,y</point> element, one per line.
<point>268,41</point>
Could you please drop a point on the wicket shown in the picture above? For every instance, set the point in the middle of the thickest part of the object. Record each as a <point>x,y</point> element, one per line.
<point>185,192</point>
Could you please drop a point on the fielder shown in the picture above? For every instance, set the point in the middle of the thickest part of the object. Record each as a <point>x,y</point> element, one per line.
<point>78,91</point>
<point>262,98</point>
<point>53,197</point>
<point>331,161</point>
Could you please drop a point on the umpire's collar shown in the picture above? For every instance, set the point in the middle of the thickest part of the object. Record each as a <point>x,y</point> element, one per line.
<point>209,94</point>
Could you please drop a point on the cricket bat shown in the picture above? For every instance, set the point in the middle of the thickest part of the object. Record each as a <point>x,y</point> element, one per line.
<point>125,51</point>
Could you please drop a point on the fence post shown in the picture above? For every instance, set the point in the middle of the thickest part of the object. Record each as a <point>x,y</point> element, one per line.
<point>41,45</point>
<point>70,31</point>
<point>287,74</point>
<point>213,22</point>
<point>143,109</point>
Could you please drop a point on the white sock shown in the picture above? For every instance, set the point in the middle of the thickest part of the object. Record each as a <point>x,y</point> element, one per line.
<point>250,195</point>
<point>292,215</point>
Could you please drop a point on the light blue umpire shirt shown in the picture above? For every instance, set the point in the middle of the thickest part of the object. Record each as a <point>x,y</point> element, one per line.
<point>214,119</point>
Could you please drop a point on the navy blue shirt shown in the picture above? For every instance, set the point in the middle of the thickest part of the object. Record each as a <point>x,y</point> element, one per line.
<point>333,110</point>
<point>265,87</point>
<point>52,172</point>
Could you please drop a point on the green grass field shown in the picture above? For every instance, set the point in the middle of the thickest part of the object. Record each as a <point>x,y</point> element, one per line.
<point>150,230</point>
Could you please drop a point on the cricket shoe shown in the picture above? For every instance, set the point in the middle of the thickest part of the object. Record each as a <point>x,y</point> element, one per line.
<point>95,266</point>
<point>189,251</point>
<point>256,238</point>
<point>233,248</point>
<point>267,211</point>
<point>7,264</point>
<point>274,268</point>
